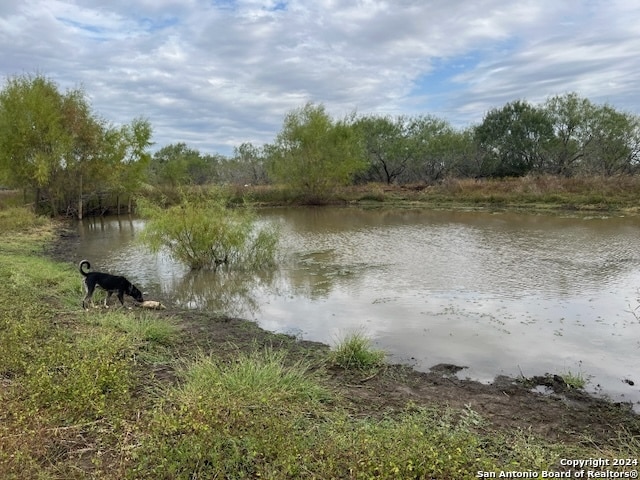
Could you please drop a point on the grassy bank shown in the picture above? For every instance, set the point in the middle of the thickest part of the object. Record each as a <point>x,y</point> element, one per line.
<point>132,394</point>
<point>532,193</point>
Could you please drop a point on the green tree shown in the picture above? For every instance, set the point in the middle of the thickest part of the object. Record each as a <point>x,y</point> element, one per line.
<point>615,146</point>
<point>33,138</point>
<point>129,158</point>
<point>251,164</point>
<point>204,169</point>
<point>514,139</point>
<point>169,165</point>
<point>177,164</point>
<point>247,165</point>
<point>572,119</point>
<point>386,146</point>
<point>53,144</point>
<point>314,154</point>
<point>430,139</point>
<point>460,153</point>
<point>413,149</point>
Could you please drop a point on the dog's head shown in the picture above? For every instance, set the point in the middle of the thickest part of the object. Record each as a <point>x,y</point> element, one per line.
<point>135,293</point>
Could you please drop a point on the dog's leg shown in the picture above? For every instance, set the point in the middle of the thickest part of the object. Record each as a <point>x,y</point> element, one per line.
<point>86,300</point>
<point>88,295</point>
<point>106,299</point>
<point>121,297</point>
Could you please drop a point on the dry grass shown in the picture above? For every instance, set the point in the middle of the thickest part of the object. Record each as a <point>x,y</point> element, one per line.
<point>542,185</point>
<point>546,192</point>
<point>534,192</point>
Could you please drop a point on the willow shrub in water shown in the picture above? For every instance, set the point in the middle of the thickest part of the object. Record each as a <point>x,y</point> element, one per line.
<point>203,232</point>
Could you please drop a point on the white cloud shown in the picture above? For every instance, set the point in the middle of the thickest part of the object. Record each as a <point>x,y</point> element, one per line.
<point>218,73</point>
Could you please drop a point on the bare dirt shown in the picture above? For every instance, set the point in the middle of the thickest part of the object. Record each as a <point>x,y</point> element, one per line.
<point>562,413</point>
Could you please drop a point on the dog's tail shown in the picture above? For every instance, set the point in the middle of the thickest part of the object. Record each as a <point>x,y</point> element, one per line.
<point>82,263</point>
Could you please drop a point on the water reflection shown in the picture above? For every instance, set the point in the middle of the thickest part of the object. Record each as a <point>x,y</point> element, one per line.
<point>227,291</point>
<point>500,293</point>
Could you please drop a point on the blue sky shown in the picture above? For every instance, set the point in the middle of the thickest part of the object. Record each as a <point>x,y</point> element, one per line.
<point>214,74</point>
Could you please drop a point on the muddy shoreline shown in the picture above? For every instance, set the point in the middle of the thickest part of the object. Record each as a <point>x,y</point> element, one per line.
<point>561,413</point>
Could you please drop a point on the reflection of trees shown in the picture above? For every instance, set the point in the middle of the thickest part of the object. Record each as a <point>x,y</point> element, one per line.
<point>232,292</point>
<point>239,293</point>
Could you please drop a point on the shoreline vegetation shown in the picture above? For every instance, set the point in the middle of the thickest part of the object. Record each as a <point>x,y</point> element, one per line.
<point>598,195</point>
<point>541,194</point>
<point>536,193</point>
<point>132,393</point>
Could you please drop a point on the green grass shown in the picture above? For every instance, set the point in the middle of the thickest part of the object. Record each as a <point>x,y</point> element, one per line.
<point>67,381</point>
<point>261,377</point>
<point>235,419</point>
<point>144,327</point>
<point>574,380</point>
<point>355,352</point>
<point>262,418</point>
<point>20,219</point>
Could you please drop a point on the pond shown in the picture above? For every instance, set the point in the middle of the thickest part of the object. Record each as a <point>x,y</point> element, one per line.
<point>498,293</point>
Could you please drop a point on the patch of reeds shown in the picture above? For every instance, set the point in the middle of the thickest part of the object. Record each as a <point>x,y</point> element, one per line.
<point>20,219</point>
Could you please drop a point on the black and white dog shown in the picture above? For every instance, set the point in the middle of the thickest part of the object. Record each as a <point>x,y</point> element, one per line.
<point>111,283</point>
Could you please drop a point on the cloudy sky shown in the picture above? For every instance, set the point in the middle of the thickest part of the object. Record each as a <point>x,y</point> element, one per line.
<point>216,73</point>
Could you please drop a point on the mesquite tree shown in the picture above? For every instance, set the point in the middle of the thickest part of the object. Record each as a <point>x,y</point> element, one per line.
<point>54,145</point>
<point>313,154</point>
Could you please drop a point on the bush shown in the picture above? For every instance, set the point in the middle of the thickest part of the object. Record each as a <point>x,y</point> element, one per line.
<point>203,232</point>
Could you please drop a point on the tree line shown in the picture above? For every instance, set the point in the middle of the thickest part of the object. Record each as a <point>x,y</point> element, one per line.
<point>53,145</point>
<point>567,135</point>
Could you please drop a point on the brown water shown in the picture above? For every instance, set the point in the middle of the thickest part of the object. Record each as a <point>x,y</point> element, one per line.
<point>498,293</point>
